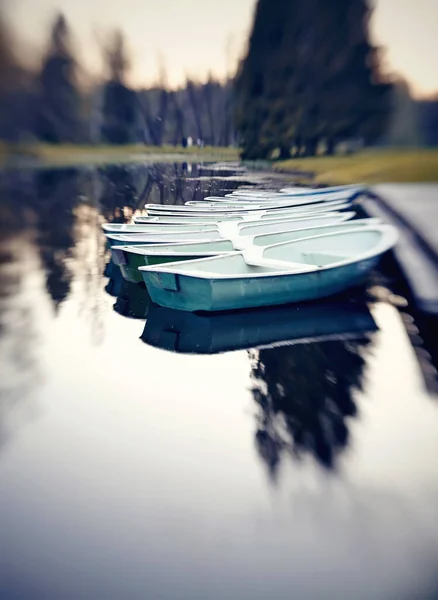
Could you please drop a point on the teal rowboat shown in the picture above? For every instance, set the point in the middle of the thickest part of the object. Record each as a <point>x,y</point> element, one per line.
<point>230,202</point>
<point>130,258</point>
<point>180,218</point>
<point>183,332</point>
<point>345,191</point>
<point>306,269</point>
<point>115,239</point>
<point>234,209</point>
<point>129,228</point>
<point>228,230</point>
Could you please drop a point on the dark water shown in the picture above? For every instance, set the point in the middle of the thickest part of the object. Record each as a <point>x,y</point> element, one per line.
<point>301,463</point>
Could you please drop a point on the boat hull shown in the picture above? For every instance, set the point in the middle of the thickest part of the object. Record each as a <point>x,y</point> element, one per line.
<point>129,260</point>
<point>129,263</point>
<point>191,293</point>
<point>220,231</point>
<point>209,219</point>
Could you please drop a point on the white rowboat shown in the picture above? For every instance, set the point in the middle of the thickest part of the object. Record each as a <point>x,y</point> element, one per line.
<point>226,230</point>
<point>130,258</point>
<point>199,211</point>
<point>301,270</point>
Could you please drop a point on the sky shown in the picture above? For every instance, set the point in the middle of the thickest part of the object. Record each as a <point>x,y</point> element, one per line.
<point>195,37</point>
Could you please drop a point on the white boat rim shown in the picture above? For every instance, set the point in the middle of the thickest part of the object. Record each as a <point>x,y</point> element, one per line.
<point>388,240</point>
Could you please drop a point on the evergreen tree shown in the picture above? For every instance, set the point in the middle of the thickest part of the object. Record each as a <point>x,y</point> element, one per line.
<point>404,125</point>
<point>59,100</point>
<point>119,102</point>
<point>354,100</point>
<point>11,84</point>
<point>310,74</point>
<point>260,85</point>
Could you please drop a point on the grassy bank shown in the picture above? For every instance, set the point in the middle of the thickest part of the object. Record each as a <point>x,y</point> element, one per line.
<point>373,166</point>
<point>70,155</point>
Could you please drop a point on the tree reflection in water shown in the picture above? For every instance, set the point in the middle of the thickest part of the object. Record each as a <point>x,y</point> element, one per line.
<point>127,188</point>
<point>50,223</point>
<point>57,195</point>
<point>18,339</point>
<point>305,396</point>
<point>20,371</point>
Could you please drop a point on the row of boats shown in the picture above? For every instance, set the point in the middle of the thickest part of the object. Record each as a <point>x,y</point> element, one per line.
<point>250,248</point>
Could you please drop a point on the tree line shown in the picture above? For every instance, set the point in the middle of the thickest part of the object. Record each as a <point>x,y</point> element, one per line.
<point>50,104</point>
<point>310,80</point>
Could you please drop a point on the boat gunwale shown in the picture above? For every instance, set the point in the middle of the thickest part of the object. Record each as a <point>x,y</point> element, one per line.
<point>155,237</point>
<point>115,236</point>
<point>250,238</point>
<point>210,254</point>
<point>240,224</point>
<point>388,240</point>
<point>226,203</point>
<point>244,209</point>
<point>322,207</point>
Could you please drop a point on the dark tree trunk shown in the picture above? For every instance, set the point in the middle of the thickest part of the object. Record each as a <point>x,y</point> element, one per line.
<point>146,113</point>
<point>195,107</point>
<point>208,97</point>
<point>330,147</point>
<point>311,147</point>
<point>161,119</point>
<point>284,152</point>
<point>179,131</point>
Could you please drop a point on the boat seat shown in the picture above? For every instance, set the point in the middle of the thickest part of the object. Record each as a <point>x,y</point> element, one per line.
<point>280,265</point>
<point>323,258</point>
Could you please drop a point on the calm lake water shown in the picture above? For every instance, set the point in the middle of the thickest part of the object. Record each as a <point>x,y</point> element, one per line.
<point>298,462</point>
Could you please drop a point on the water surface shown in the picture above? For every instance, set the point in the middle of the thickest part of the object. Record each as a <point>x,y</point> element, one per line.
<point>131,468</point>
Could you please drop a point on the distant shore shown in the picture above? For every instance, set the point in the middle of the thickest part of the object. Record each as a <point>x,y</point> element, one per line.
<point>66,155</point>
<point>370,166</point>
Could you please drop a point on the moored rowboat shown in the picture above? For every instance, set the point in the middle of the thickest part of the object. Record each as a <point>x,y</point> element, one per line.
<point>177,218</point>
<point>225,230</point>
<point>296,271</point>
<point>230,202</point>
<point>255,212</point>
<point>348,191</point>
<point>238,206</point>
<point>130,258</point>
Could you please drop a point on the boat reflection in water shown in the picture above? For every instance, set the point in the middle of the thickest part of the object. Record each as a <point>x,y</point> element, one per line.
<point>115,279</point>
<point>132,299</point>
<point>184,332</point>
